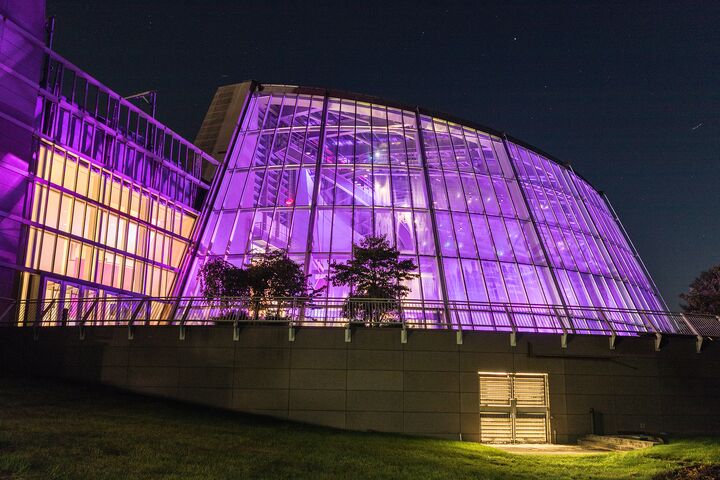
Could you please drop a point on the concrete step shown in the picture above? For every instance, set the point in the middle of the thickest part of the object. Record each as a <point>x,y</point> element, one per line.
<point>618,443</point>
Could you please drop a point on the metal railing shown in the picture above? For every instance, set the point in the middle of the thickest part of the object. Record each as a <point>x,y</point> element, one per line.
<point>343,312</point>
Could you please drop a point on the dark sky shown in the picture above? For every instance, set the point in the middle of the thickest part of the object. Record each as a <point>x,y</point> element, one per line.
<point>627,92</point>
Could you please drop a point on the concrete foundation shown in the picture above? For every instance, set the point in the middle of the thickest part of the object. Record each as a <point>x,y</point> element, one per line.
<point>427,386</point>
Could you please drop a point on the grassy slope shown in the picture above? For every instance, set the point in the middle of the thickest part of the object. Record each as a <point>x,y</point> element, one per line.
<point>64,431</point>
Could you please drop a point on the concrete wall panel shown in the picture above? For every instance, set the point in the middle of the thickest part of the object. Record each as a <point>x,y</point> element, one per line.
<point>427,386</point>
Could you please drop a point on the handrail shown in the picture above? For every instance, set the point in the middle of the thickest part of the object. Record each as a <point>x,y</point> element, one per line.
<point>410,313</point>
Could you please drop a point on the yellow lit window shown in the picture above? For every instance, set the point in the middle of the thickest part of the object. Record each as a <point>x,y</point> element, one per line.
<point>86,263</point>
<point>162,210</point>
<point>142,240</point>
<point>66,205</point>
<point>107,260</point>
<point>115,194</point>
<point>178,248</point>
<point>122,227</point>
<point>78,218</point>
<point>94,185</point>
<point>56,171</point>
<point>83,178</point>
<point>128,276</point>
<point>38,204</point>
<point>138,283</point>
<point>177,222</point>
<point>47,250</point>
<point>132,237</point>
<point>31,245</point>
<point>91,223</point>
<point>41,155</point>
<point>61,255</point>
<point>110,222</point>
<point>135,203</point>
<point>144,207</point>
<point>117,275</point>
<point>125,199</point>
<point>188,221</point>
<point>53,205</point>
<point>73,267</point>
<point>70,173</point>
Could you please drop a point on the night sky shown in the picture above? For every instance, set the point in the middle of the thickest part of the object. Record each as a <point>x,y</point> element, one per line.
<point>627,92</point>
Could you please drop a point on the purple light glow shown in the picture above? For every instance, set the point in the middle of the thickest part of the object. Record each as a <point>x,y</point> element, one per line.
<point>373,177</point>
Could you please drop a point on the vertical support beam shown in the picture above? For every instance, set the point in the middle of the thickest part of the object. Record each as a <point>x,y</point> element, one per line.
<point>184,318</point>
<point>201,223</point>
<point>698,337</point>
<point>291,333</point>
<point>316,185</point>
<point>433,219</point>
<point>658,341</point>
<point>533,222</point>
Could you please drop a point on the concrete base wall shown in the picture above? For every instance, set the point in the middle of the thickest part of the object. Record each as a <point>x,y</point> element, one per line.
<point>427,386</point>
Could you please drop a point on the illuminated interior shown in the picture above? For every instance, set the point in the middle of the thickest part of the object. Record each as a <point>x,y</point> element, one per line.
<point>485,219</point>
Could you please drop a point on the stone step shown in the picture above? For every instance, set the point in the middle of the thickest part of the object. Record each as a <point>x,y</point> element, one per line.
<point>620,443</point>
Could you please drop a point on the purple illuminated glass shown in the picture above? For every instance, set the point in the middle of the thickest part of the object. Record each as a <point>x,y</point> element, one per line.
<point>476,242</point>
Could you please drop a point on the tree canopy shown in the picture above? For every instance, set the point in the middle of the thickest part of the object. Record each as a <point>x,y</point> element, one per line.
<point>375,271</point>
<point>269,275</point>
<point>703,295</point>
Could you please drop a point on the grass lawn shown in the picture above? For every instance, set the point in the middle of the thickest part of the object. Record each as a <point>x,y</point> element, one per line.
<point>54,430</point>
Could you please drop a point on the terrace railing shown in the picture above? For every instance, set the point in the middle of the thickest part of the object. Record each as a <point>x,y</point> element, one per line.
<point>343,312</point>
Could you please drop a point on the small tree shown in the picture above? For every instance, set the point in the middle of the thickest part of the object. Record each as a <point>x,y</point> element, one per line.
<point>704,293</point>
<point>374,275</point>
<point>274,276</point>
<point>222,280</point>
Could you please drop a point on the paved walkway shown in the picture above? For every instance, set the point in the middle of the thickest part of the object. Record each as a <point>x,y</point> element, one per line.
<point>545,449</point>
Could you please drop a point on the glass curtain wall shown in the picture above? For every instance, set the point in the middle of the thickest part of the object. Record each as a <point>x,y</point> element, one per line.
<point>593,262</point>
<point>313,175</point>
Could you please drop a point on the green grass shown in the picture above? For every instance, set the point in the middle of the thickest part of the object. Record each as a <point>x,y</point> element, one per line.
<point>53,430</point>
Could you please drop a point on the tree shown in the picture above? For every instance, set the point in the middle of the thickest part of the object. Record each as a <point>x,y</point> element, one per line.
<point>704,293</point>
<point>374,275</point>
<point>275,274</point>
<point>275,279</point>
<point>223,281</point>
<point>219,278</point>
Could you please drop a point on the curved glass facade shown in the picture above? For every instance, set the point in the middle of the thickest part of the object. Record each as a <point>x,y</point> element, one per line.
<point>487,221</point>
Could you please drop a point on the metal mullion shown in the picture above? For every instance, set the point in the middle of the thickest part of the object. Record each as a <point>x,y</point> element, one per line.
<point>412,209</point>
<point>334,200</point>
<point>283,168</point>
<point>452,218</point>
<point>502,217</point>
<point>605,246</point>
<point>301,167</point>
<point>251,169</point>
<point>559,226</point>
<point>433,219</point>
<point>293,208</point>
<point>316,184</point>
<point>484,216</point>
<point>541,241</point>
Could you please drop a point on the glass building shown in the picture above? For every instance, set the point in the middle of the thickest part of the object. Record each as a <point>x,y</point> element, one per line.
<point>107,214</point>
<point>488,220</point>
<point>100,200</point>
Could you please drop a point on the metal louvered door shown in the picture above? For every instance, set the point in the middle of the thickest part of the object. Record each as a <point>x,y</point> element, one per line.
<point>514,408</point>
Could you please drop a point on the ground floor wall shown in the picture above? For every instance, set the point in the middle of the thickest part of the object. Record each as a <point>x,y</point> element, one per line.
<point>426,386</point>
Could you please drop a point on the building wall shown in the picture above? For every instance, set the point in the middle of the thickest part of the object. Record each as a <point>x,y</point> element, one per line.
<point>427,386</point>
<point>22,62</point>
<point>98,199</point>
